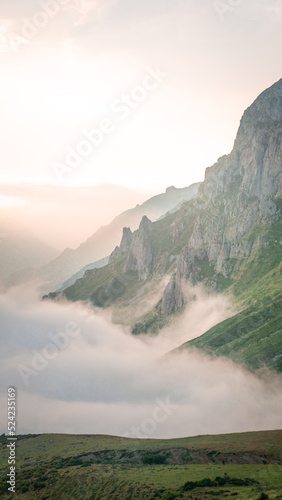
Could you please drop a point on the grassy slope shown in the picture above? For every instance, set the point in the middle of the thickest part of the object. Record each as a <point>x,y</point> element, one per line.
<point>253,336</point>
<point>60,473</point>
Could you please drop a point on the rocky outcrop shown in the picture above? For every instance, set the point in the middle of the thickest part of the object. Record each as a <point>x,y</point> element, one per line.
<point>178,227</point>
<point>125,243</point>
<point>170,301</point>
<point>126,240</point>
<point>140,256</point>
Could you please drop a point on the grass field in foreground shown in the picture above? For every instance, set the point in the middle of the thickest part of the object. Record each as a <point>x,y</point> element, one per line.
<point>57,466</point>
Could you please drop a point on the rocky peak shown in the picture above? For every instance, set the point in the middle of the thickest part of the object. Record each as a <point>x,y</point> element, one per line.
<point>145,224</point>
<point>125,243</point>
<point>253,168</point>
<point>264,113</point>
<point>140,257</point>
<point>170,189</point>
<point>126,239</point>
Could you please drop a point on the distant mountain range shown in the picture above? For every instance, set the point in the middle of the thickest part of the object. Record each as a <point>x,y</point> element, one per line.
<point>101,243</point>
<point>93,265</point>
<point>227,239</point>
<point>20,249</point>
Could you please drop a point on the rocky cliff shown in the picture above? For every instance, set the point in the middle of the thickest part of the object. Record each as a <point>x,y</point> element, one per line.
<point>125,244</point>
<point>140,256</point>
<point>240,193</point>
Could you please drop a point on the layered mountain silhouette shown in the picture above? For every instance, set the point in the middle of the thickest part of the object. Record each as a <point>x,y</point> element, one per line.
<point>100,244</point>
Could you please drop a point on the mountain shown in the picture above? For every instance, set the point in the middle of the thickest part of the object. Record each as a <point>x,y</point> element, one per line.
<point>20,249</point>
<point>80,274</point>
<point>101,243</point>
<point>227,239</point>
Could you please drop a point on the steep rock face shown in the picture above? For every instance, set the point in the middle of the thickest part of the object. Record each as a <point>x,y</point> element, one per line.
<point>125,244</point>
<point>170,301</point>
<point>238,194</point>
<point>178,228</point>
<point>126,240</point>
<point>255,162</point>
<point>140,256</point>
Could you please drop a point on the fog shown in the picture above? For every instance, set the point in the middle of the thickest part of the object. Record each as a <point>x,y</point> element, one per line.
<point>202,313</point>
<point>64,216</point>
<point>76,372</point>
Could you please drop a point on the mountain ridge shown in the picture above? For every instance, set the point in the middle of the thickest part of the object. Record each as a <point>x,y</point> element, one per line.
<point>226,238</point>
<point>101,243</point>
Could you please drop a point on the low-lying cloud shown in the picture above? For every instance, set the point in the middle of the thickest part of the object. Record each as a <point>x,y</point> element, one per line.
<point>202,313</point>
<point>76,372</point>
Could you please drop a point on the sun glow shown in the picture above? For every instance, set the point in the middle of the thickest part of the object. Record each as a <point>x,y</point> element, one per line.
<point>11,202</point>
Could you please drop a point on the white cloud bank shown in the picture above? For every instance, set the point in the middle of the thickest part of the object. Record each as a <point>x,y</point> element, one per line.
<point>75,372</point>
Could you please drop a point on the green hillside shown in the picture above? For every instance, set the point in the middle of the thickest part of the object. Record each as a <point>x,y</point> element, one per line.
<point>252,337</point>
<point>57,466</point>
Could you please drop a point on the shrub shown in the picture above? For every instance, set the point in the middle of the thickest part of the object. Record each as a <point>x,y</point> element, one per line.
<point>38,485</point>
<point>154,459</point>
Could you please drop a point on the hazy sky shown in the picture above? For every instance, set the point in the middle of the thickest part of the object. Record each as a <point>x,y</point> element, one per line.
<point>63,216</point>
<point>67,65</point>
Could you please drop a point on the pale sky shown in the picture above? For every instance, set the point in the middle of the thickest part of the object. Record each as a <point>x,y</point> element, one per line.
<point>66,66</point>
